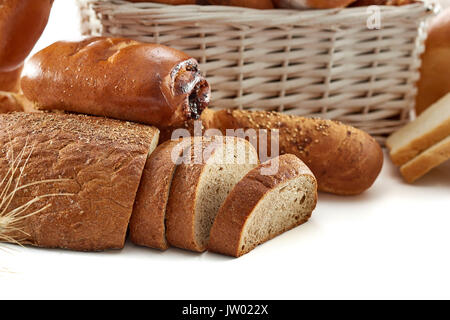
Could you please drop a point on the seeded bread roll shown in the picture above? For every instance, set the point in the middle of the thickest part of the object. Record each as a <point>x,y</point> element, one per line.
<point>260,207</point>
<point>345,160</point>
<point>200,186</point>
<point>147,224</point>
<point>117,78</point>
<point>95,166</point>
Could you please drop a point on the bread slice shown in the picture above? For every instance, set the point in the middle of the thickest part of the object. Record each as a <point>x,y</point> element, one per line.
<point>260,207</point>
<point>92,166</point>
<point>429,128</point>
<point>427,160</point>
<point>147,224</point>
<point>200,187</point>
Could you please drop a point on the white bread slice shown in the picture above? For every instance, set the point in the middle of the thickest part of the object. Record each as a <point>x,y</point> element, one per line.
<point>260,207</point>
<point>199,188</point>
<point>427,160</point>
<point>429,128</point>
<point>147,224</point>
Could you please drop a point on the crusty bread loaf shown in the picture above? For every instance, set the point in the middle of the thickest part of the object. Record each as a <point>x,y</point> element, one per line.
<point>147,224</point>
<point>345,160</point>
<point>260,207</point>
<point>434,81</point>
<point>117,78</point>
<point>429,128</point>
<point>200,186</point>
<point>96,165</point>
<point>311,4</point>
<point>427,160</point>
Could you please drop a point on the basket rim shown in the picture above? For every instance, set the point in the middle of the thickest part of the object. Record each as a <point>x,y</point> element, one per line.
<point>198,14</point>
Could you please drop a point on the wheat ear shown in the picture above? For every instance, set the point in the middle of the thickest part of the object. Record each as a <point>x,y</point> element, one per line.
<point>11,218</point>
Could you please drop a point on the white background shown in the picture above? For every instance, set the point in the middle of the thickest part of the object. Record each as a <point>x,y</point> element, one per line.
<point>391,242</point>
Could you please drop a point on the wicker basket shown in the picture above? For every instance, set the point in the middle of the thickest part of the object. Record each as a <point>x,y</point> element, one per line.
<point>321,63</point>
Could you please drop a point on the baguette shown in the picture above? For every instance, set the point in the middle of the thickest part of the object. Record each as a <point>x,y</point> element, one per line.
<point>427,160</point>
<point>94,164</point>
<point>199,188</point>
<point>344,160</point>
<point>147,224</point>
<point>260,207</point>
<point>117,78</point>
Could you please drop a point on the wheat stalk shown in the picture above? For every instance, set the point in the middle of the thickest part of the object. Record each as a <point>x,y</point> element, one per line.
<point>11,218</point>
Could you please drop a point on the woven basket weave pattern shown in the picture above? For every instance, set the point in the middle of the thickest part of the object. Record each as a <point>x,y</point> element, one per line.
<point>320,63</point>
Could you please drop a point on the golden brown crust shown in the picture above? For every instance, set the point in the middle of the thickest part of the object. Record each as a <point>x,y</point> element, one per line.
<point>10,80</point>
<point>230,221</point>
<point>100,161</point>
<point>180,215</point>
<point>434,82</point>
<point>21,23</point>
<point>117,78</point>
<point>344,160</point>
<point>9,102</point>
<point>147,224</point>
<point>427,160</point>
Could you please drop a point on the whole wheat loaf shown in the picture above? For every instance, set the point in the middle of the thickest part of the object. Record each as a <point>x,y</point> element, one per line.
<point>95,165</point>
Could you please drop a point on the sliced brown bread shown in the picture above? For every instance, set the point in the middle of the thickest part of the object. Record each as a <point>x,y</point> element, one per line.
<point>200,187</point>
<point>429,128</point>
<point>427,160</point>
<point>147,225</point>
<point>91,167</point>
<point>260,207</point>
